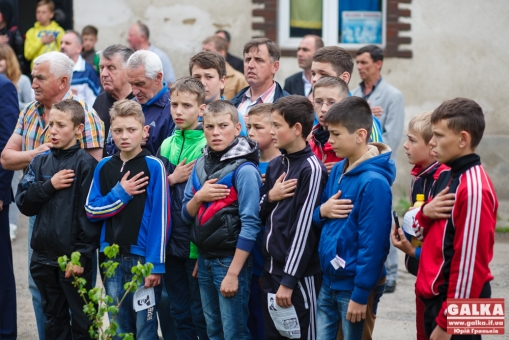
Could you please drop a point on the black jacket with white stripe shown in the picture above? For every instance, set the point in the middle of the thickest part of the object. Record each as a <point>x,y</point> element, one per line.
<point>290,243</point>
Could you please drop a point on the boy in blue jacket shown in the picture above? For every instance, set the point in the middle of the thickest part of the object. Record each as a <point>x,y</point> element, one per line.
<point>129,193</point>
<point>353,245</point>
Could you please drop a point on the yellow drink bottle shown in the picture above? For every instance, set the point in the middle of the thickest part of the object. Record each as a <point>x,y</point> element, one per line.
<point>419,201</point>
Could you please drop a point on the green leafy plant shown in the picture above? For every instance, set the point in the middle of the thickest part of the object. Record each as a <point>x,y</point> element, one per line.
<point>97,303</point>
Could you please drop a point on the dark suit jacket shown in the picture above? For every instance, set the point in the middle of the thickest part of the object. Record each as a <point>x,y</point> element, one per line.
<point>294,84</point>
<point>235,62</point>
<point>9,111</point>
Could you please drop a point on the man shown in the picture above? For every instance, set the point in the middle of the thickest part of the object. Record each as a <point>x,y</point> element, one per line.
<point>138,38</point>
<point>235,62</point>
<point>9,109</point>
<point>113,73</point>
<point>300,82</point>
<point>235,81</point>
<point>52,74</point>
<point>261,62</point>
<point>85,83</point>
<point>386,103</point>
<point>145,74</point>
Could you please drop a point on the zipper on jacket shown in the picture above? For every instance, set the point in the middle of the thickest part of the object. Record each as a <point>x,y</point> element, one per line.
<point>122,168</point>
<point>182,148</point>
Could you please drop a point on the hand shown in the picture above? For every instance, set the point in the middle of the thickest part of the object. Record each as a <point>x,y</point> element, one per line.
<point>62,179</point>
<point>144,139</point>
<point>284,296</point>
<point>356,312</point>
<point>181,173</point>
<point>402,243</point>
<point>134,185</point>
<point>282,190</point>
<point>377,111</point>
<point>4,39</point>
<point>440,334</point>
<point>152,280</point>
<point>47,39</point>
<point>211,192</point>
<point>440,206</point>
<point>263,178</point>
<point>72,269</point>
<point>335,207</point>
<point>195,270</point>
<point>43,147</point>
<point>1,205</point>
<point>329,166</point>
<point>230,285</point>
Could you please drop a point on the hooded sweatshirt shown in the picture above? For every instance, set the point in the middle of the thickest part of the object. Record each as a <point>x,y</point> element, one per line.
<point>361,239</point>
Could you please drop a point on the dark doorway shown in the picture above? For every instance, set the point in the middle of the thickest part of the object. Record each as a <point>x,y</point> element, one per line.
<point>26,13</point>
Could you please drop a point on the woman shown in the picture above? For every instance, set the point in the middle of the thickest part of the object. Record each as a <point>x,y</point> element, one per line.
<point>9,67</point>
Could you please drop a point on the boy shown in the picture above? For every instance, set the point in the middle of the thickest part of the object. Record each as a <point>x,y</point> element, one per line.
<point>210,69</point>
<point>259,130</point>
<point>326,92</point>
<point>178,154</point>
<point>55,189</point>
<point>424,174</point>
<point>458,225</point>
<point>221,203</point>
<point>353,247</point>
<point>130,195</point>
<point>89,38</point>
<point>46,34</point>
<point>293,183</point>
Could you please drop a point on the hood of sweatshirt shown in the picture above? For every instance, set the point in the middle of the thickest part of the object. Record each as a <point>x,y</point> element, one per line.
<point>378,159</point>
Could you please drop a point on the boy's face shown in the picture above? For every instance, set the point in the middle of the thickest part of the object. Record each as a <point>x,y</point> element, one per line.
<point>343,142</point>
<point>43,15</point>
<point>259,130</point>
<point>446,143</point>
<point>220,131</point>
<point>185,110</point>
<point>127,133</point>
<point>62,131</point>
<point>319,70</point>
<point>417,151</point>
<point>210,79</point>
<point>323,99</point>
<point>89,41</point>
<point>282,134</point>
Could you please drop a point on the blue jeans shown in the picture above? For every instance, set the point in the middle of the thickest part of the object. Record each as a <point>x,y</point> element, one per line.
<point>40,318</point>
<point>142,324</point>
<point>332,306</point>
<point>226,316</point>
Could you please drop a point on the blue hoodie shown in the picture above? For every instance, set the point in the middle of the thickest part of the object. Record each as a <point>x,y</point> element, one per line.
<point>361,239</point>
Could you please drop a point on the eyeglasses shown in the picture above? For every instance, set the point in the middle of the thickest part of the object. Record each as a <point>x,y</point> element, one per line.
<point>319,103</point>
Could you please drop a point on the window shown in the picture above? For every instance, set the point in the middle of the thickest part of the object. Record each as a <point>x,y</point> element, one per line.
<point>348,23</point>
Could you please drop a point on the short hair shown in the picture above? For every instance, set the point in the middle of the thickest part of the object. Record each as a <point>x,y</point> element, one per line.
<point>421,125</point>
<point>59,64</point>
<point>89,30</point>
<point>49,3</point>
<point>375,52</point>
<point>143,29</point>
<point>219,43</point>
<point>76,34</point>
<point>272,47</point>
<point>318,41</point>
<point>72,107</point>
<point>207,60</point>
<point>222,107</point>
<point>263,109</point>
<point>123,51</point>
<point>353,113</point>
<point>296,109</point>
<point>226,34</point>
<point>149,60</point>
<point>189,85</point>
<point>127,108</point>
<point>338,57</point>
<point>462,114</point>
<point>334,82</point>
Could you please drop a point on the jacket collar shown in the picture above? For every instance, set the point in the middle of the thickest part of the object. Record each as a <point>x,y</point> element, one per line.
<point>160,99</point>
<point>297,155</point>
<point>61,153</point>
<point>462,164</point>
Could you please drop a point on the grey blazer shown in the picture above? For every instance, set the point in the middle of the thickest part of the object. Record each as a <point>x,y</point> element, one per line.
<point>393,115</point>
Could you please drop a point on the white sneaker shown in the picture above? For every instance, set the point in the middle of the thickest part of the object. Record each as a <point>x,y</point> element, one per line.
<point>12,230</point>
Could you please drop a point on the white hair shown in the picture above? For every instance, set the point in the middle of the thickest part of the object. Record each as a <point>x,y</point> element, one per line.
<point>59,64</point>
<point>149,60</point>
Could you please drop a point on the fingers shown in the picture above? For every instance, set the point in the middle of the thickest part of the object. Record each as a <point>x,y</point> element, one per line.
<point>124,178</point>
<point>336,195</point>
<point>443,192</point>
<point>280,179</point>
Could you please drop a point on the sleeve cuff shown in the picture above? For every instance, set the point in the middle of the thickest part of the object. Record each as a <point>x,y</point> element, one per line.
<point>441,319</point>
<point>360,295</point>
<point>289,281</point>
<point>121,193</point>
<point>318,220</point>
<point>188,219</point>
<point>245,244</point>
<point>48,188</point>
<point>418,253</point>
<point>158,268</point>
<point>423,219</point>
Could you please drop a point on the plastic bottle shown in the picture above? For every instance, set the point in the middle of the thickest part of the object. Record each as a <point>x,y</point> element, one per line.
<point>419,201</point>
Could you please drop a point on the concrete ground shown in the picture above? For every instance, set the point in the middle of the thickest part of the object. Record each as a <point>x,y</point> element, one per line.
<point>396,312</point>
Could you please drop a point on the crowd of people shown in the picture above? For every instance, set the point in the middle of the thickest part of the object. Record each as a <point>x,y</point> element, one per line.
<point>265,210</point>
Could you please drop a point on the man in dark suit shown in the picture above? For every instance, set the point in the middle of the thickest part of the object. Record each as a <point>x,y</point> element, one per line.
<point>235,62</point>
<point>9,110</point>
<point>300,82</point>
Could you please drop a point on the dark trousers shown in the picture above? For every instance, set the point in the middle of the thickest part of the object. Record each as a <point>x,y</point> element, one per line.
<point>304,298</point>
<point>7,284</point>
<point>255,321</point>
<point>58,297</point>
